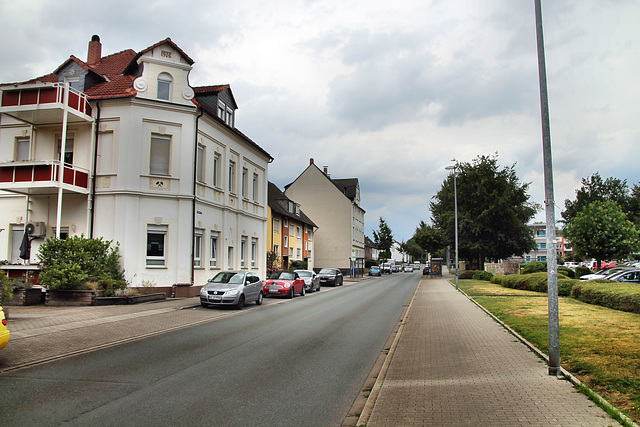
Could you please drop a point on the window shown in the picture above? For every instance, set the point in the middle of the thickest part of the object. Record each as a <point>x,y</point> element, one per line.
<point>68,150</point>
<point>230,257</point>
<point>244,182</point>
<point>216,170</point>
<point>160,155</point>
<point>213,250</point>
<point>64,232</point>
<point>298,232</point>
<point>276,225</point>
<point>156,243</point>
<point>542,246</point>
<point>298,256</point>
<point>286,222</point>
<point>276,249</point>
<point>255,187</point>
<point>197,249</point>
<point>541,233</point>
<point>229,118</point>
<point>22,149</point>
<point>286,241</point>
<point>232,176</point>
<point>222,109</point>
<point>291,230</point>
<point>243,252</point>
<point>17,234</point>
<point>254,251</point>
<point>200,164</point>
<point>164,86</point>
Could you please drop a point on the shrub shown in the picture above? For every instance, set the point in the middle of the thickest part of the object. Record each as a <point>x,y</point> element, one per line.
<point>535,282</point>
<point>466,274</point>
<point>567,272</point>
<point>582,271</point>
<point>615,295</point>
<point>6,288</point>
<point>370,263</point>
<point>482,275</point>
<point>533,267</point>
<point>72,262</point>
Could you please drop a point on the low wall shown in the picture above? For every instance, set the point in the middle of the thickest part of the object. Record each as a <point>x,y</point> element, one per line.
<point>503,268</point>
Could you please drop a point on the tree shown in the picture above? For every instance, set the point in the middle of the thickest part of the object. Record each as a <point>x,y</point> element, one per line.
<point>601,230</point>
<point>383,239</point>
<point>594,189</point>
<point>429,238</point>
<point>493,211</point>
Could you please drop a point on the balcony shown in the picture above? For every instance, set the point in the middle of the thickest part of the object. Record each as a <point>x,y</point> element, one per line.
<point>41,104</point>
<point>41,178</point>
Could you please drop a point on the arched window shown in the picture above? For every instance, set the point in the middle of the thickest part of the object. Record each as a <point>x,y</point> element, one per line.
<point>164,86</point>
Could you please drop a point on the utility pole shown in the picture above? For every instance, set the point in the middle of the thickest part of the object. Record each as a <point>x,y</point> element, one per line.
<point>552,269</point>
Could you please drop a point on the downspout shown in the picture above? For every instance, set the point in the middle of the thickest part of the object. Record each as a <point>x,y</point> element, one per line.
<point>92,195</point>
<point>195,188</point>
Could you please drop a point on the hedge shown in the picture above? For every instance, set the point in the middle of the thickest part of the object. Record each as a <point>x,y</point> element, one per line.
<point>606,293</point>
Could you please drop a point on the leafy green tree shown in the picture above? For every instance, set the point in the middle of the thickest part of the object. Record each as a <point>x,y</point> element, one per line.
<point>493,211</point>
<point>414,249</point>
<point>429,238</point>
<point>601,230</point>
<point>383,239</point>
<point>611,189</point>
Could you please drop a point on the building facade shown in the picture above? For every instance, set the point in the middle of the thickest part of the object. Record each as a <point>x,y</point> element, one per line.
<point>334,205</point>
<point>290,231</point>
<point>539,253</point>
<point>122,147</point>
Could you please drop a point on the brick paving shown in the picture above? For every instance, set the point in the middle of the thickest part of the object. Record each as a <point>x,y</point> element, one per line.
<point>454,365</point>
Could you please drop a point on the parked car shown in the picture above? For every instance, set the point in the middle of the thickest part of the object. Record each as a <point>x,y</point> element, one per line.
<point>408,268</point>
<point>375,271</point>
<point>311,280</point>
<point>232,288</point>
<point>386,268</point>
<point>426,270</point>
<point>602,274</point>
<point>397,268</point>
<point>331,276</point>
<point>4,332</point>
<point>284,283</point>
<point>572,264</point>
<point>416,265</point>
<point>626,276</point>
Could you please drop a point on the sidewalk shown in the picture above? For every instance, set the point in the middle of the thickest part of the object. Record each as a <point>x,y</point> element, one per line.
<point>452,364</point>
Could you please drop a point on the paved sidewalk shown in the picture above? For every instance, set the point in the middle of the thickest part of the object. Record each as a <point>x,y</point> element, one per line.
<point>452,364</point>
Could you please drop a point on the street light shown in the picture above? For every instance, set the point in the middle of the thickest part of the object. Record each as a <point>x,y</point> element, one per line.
<point>455,204</point>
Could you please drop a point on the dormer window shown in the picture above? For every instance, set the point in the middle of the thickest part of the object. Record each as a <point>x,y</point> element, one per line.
<point>164,86</point>
<point>225,113</point>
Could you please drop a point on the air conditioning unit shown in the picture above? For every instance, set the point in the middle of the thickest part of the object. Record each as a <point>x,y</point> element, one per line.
<point>36,229</point>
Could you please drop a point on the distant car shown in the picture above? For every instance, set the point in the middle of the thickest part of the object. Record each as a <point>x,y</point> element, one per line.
<point>4,332</point>
<point>408,268</point>
<point>284,283</point>
<point>311,280</point>
<point>375,271</point>
<point>416,265</point>
<point>396,268</point>
<point>331,276</point>
<point>571,264</point>
<point>232,288</point>
<point>386,268</point>
<point>426,270</point>
<point>602,274</point>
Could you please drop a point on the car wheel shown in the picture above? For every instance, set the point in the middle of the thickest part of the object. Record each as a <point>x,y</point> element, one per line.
<point>303,292</point>
<point>259,300</point>
<point>291,291</point>
<point>319,287</point>
<point>341,281</point>
<point>204,305</point>
<point>240,304</point>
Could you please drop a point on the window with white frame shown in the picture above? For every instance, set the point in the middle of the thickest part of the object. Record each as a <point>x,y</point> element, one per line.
<point>276,225</point>
<point>160,154</point>
<point>298,235</point>
<point>298,255</point>
<point>286,241</point>
<point>255,187</point>
<point>22,149</point>
<point>222,110</point>
<point>200,164</point>
<point>291,230</point>
<point>213,249</point>
<point>243,252</point>
<point>216,170</point>
<point>276,249</point>
<point>254,251</point>
<point>286,222</point>
<point>68,150</point>
<point>156,245</point>
<point>230,257</point>
<point>232,176</point>
<point>197,248</point>
<point>164,86</point>
<point>229,118</point>
<point>244,182</point>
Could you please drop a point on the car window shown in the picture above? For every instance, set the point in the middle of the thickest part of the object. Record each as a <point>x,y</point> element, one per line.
<point>228,277</point>
<point>304,273</point>
<point>326,271</point>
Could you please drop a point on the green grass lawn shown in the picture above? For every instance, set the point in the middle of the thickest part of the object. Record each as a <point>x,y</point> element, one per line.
<point>598,345</point>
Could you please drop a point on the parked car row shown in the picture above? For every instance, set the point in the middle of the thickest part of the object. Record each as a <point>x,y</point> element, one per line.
<point>237,288</point>
<point>619,274</point>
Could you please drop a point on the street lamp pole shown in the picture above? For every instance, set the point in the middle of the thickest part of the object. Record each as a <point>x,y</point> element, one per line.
<point>455,207</point>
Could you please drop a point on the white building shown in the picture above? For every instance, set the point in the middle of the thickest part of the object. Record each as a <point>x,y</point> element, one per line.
<point>149,162</point>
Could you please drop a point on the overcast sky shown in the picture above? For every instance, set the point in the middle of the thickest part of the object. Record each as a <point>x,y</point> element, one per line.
<point>386,92</point>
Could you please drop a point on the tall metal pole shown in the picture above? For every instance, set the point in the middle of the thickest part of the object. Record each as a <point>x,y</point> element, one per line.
<point>552,270</point>
<point>455,207</point>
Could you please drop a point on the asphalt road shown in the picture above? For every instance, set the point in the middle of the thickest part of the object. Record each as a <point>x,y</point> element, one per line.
<point>302,362</point>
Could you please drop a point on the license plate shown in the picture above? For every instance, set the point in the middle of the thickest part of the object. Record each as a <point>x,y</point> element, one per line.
<point>274,291</point>
<point>215,298</point>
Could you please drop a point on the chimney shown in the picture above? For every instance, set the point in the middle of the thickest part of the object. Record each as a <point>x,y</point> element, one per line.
<point>326,168</point>
<point>311,161</point>
<point>95,51</point>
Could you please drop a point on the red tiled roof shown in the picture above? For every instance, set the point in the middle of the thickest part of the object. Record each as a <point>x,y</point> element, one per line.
<point>211,89</point>
<point>112,65</point>
<point>119,87</point>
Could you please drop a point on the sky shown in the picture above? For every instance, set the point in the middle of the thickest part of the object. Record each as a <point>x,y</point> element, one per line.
<point>386,92</point>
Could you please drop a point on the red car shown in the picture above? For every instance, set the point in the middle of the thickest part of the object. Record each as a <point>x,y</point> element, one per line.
<point>283,283</point>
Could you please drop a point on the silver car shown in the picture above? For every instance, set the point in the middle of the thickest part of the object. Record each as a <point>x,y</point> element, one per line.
<point>311,280</point>
<point>232,288</point>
